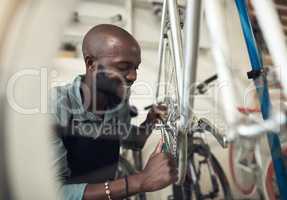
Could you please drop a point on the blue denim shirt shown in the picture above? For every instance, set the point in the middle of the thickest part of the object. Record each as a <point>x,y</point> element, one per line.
<point>65,102</point>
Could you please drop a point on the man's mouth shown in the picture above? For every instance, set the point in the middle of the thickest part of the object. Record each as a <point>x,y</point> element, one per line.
<point>127,86</point>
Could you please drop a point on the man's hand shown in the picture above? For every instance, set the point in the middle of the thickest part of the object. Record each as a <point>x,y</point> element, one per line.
<point>159,172</point>
<point>138,136</point>
<point>156,113</point>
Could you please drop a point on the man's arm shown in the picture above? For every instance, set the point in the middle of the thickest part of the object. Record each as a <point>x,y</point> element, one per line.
<point>139,134</point>
<point>159,172</point>
<point>89,191</point>
<point>118,189</point>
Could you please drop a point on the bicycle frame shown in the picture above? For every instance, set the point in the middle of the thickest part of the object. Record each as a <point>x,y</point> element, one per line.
<point>273,34</point>
<point>192,27</point>
<point>220,49</point>
<point>188,72</point>
<point>258,128</point>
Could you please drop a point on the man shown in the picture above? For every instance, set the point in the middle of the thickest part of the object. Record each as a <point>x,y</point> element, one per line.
<point>92,118</point>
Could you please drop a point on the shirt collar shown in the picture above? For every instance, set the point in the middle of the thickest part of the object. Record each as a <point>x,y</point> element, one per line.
<point>78,106</point>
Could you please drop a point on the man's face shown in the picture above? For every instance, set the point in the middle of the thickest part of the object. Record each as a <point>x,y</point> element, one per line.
<point>117,69</point>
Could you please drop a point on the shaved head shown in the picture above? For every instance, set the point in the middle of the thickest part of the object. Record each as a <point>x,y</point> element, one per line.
<point>107,40</point>
<point>112,57</point>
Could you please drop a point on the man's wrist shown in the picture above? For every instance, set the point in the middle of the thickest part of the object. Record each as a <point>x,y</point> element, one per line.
<point>135,183</point>
<point>147,125</point>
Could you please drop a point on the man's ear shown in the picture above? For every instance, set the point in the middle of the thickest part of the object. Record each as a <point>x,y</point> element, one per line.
<point>90,64</point>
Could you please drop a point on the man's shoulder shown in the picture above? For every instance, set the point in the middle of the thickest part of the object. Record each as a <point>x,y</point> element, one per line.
<point>60,104</point>
<point>59,95</point>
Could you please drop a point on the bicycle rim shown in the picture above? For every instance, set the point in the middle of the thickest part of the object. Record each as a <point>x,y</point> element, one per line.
<point>270,187</point>
<point>175,141</point>
<point>246,187</point>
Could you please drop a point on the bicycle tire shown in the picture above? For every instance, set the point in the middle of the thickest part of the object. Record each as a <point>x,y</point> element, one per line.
<point>270,187</point>
<point>183,192</point>
<point>222,177</point>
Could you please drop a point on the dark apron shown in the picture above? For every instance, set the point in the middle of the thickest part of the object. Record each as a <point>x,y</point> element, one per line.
<point>92,160</point>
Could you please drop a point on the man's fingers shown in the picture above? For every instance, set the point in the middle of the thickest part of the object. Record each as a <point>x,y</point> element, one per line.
<point>160,114</point>
<point>158,146</point>
<point>160,109</point>
<point>172,162</point>
<point>174,172</point>
<point>174,178</point>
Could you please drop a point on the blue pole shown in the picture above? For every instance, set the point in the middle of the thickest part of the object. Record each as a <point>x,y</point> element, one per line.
<point>263,95</point>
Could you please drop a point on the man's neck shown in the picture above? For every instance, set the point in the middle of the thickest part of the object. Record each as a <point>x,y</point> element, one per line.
<point>96,101</point>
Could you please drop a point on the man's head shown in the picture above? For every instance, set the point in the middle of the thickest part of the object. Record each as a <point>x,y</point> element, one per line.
<point>112,57</point>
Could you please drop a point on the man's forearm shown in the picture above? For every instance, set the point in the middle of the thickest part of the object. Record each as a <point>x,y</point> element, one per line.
<point>138,136</point>
<point>145,129</point>
<point>118,189</point>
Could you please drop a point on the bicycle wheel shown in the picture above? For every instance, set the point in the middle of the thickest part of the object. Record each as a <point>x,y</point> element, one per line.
<point>243,179</point>
<point>194,187</point>
<point>26,44</point>
<point>270,187</point>
<point>169,81</point>
<point>174,140</point>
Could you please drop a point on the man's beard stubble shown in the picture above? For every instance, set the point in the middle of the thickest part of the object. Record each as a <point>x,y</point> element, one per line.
<point>113,89</point>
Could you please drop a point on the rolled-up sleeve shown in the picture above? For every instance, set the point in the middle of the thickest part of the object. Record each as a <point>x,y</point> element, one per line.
<point>59,113</point>
<point>73,191</point>
<point>66,191</point>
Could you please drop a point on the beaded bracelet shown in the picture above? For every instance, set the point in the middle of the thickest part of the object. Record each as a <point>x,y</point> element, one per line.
<point>108,190</point>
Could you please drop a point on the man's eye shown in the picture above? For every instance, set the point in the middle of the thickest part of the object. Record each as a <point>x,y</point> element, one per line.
<point>123,67</point>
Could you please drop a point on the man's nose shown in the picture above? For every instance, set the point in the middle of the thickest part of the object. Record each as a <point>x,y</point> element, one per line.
<point>132,75</point>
